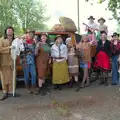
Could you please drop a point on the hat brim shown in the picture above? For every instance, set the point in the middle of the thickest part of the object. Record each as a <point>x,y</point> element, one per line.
<point>115,35</point>
<point>44,34</point>
<point>102,20</point>
<point>58,37</point>
<point>91,18</point>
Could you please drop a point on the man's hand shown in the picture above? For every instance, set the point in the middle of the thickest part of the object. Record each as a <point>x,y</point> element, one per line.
<point>12,47</point>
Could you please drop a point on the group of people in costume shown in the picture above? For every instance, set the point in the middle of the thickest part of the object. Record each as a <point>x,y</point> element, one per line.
<point>66,58</point>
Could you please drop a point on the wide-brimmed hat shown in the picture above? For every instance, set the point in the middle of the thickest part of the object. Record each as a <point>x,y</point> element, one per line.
<point>115,34</point>
<point>101,19</point>
<point>46,34</point>
<point>58,37</point>
<point>30,31</point>
<point>91,17</point>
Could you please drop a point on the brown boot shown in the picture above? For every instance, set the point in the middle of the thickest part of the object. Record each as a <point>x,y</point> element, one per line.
<point>28,88</point>
<point>34,90</point>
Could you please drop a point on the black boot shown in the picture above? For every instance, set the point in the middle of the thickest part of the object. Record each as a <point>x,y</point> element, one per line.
<point>28,89</point>
<point>59,87</point>
<point>47,89</point>
<point>106,79</point>
<point>101,82</point>
<point>42,91</point>
<point>70,84</point>
<point>77,87</point>
<point>55,87</point>
<point>5,96</point>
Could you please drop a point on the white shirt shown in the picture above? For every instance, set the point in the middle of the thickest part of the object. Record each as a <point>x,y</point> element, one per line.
<point>103,28</point>
<point>93,25</point>
<point>55,52</point>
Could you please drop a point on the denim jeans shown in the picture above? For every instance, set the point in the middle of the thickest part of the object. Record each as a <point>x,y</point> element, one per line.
<point>115,74</point>
<point>32,70</point>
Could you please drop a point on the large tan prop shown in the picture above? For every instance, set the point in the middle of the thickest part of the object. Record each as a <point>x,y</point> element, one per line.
<point>68,24</point>
<point>58,27</point>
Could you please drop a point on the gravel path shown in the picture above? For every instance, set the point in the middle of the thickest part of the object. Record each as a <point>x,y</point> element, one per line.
<point>91,103</point>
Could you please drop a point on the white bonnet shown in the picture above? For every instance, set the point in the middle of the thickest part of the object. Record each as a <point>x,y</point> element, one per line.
<point>68,40</point>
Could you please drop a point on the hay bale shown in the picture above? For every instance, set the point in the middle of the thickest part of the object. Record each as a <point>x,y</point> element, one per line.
<point>68,24</point>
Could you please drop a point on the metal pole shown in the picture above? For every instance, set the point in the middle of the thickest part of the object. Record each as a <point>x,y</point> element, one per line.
<point>78,16</point>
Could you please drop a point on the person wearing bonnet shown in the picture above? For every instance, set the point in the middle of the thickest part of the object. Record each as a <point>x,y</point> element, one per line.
<point>73,63</point>
<point>115,58</point>
<point>59,55</point>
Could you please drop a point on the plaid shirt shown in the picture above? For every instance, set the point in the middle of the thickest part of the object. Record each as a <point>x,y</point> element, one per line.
<point>115,48</point>
<point>28,56</point>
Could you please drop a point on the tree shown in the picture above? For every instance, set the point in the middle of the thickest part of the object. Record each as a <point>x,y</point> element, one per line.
<point>113,6</point>
<point>31,14</point>
<point>6,15</point>
<point>22,15</point>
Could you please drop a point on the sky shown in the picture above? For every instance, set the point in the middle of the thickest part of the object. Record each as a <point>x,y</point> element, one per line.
<point>68,8</point>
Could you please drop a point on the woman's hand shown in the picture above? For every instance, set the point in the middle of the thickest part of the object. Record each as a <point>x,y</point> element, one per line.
<point>50,61</point>
<point>115,42</point>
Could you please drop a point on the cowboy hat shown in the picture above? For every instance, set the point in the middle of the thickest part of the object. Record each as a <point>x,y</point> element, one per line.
<point>101,19</point>
<point>91,17</point>
<point>115,34</point>
<point>43,33</point>
<point>58,36</point>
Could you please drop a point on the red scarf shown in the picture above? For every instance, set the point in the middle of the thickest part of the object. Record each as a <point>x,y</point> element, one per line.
<point>29,41</point>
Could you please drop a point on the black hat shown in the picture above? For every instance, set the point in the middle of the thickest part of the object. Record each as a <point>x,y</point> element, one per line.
<point>115,34</point>
<point>91,17</point>
<point>101,32</point>
<point>101,19</point>
<point>58,37</point>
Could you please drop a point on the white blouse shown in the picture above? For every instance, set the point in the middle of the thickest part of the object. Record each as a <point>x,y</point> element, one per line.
<point>55,52</point>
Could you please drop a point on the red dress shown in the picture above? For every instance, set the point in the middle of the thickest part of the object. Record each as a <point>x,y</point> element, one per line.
<point>103,57</point>
<point>102,61</point>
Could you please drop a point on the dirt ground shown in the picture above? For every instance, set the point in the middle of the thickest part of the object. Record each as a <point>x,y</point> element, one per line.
<point>91,103</point>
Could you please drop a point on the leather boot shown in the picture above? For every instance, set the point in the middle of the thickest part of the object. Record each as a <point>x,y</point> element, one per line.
<point>29,89</point>
<point>5,96</point>
<point>106,79</point>
<point>42,91</point>
<point>46,88</point>
<point>34,90</point>
<point>77,87</point>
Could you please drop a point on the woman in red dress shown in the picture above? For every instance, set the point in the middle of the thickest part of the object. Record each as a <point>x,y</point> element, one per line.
<point>103,56</point>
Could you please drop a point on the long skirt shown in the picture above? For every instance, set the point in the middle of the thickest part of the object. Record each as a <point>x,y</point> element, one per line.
<point>73,65</point>
<point>115,74</point>
<point>103,62</point>
<point>42,65</point>
<point>60,73</point>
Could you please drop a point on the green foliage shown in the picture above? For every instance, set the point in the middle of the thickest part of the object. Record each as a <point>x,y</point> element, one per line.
<point>22,15</point>
<point>113,6</point>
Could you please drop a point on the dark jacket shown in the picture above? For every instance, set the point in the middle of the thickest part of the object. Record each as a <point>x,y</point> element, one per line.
<point>106,47</point>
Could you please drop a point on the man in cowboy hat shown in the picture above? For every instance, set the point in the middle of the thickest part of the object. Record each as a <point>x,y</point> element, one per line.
<point>102,26</point>
<point>92,25</point>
